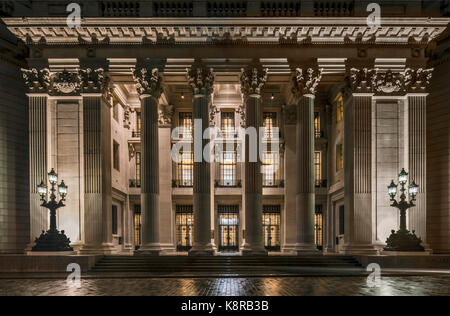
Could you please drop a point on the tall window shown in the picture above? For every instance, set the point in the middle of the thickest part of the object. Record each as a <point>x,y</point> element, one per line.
<point>116,156</point>
<point>185,227</point>
<point>114,220</point>
<point>185,169</point>
<point>137,133</point>
<point>339,107</point>
<point>227,124</point>
<point>341,220</point>
<point>319,227</point>
<point>269,121</point>
<point>228,169</point>
<point>318,167</point>
<point>272,227</point>
<point>317,131</point>
<point>186,123</point>
<point>270,169</point>
<point>138,169</point>
<point>137,226</point>
<point>339,157</point>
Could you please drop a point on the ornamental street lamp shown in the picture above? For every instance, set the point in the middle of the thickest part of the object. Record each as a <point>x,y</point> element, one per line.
<point>52,240</point>
<point>403,240</point>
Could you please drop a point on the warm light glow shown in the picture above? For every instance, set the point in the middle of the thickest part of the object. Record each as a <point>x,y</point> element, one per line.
<point>42,189</point>
<point>392,189</point>
<point>403,177</point>
<point>52,177</point>
<point>62,188</point>
<point>413,189</point>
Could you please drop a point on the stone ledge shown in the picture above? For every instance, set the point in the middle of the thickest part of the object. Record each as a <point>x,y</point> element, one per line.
<point>55,263</point>
<point>406,261</point>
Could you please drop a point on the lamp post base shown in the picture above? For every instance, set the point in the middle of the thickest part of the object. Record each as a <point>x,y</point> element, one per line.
<point>404,240</point>
<point>52,241</point>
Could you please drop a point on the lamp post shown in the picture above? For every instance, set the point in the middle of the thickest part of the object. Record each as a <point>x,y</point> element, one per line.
<point>52,240</point>
<point>403,240</point>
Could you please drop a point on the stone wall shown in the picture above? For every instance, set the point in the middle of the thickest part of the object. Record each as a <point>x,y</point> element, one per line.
<point>14,175</point>
<point>438,162</point>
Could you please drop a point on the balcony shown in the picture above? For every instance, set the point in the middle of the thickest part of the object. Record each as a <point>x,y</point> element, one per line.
<point>182,184</point>
<point>273,183</point>
<point>136,134</point>
<point>134,183</point>
<point>228,183</point>
<point>319,134</point>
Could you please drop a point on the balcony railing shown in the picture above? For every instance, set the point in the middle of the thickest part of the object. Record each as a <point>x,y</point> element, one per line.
<point>134,183</point>
<point>318,134</point>
<point>136,134</point>
<point>182,184</point>
<point>228,184</point>
<point>273,183</point>
<point>121,8</point>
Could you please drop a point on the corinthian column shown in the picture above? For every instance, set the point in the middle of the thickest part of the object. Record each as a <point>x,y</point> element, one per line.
<point>149,87</point>
<point>201,80</point>
<point>253,79</point>
<point>304,89</point>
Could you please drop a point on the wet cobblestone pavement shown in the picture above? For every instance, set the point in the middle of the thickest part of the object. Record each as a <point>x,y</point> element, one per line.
<point>295,286</point>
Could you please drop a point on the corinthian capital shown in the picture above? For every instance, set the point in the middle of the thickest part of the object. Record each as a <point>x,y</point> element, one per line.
<point>362,80</point>
<point>37,81</point>
<point>417,80</point>
<point>305,82</point>
<point>92,81</point>
<point>65,83</point>
<point>148,80</point>
<point>253,78</point>
<point>201,79</point>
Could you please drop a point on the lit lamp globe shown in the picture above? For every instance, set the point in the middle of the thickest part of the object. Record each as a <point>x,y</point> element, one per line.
<point>403,177</point>
<point>413,189</point>
<point>392,189</point>
<point>42,190</point>
<point>53,177</point>
<point>62,189</point>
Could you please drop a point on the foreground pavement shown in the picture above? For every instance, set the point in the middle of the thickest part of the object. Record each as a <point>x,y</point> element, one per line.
<point>432,285</point>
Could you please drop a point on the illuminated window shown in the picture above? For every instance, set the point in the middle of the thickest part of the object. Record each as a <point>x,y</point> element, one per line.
<point>271,169</point>
<point>339,107</point>
<point>339,157</point>
<point>185,227</point>
<point>228,169</point>
<point>137,226</point>
<point>269,122</point>
<point>319,227</point>
<point>318,167</point>
<point>138,169</point>
<point>227,124</point>
<point>116,156</point>
<point>228,227</point>
<point>271,227</point>
<point>186,124</point>
<point>185,170</point>
<point>138,122</point>
<point>317,131</point>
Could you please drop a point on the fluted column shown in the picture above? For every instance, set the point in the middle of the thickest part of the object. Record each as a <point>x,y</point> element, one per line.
<point>38,83</point>
<point>253,79</point>
<point>201,80</point>
<point>304,88</point>
<point>97,235</point>
<point>149,86</point>
<point>358,119</point>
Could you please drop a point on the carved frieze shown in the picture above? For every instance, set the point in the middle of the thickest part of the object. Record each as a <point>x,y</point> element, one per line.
<point>92,80</point>
<point>240,110</point>
<point>201,79</point>
<point>37,81</point>
<point>305,82</point>
<point>165,114</point>
<point>148,80</point>
<point>213,111</point>
<point>362,80</point>
<point>417,80</point>
<point>253,78</point>
<point>65,83</point>
<point>388,82</point>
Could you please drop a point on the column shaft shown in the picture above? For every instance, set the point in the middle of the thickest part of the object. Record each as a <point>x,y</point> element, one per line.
<point>202,183</point>
<point>305,197</point>
<point>97,176</point>
<point>253,182</point>
<point>150,176</point>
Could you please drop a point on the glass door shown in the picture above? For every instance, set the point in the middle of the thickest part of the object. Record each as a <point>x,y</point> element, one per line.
<point>185,227</point>
<point>228,232</point>
<point>271,227</point>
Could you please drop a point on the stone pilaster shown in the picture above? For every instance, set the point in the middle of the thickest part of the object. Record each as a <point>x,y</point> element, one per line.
<point>304,88</point>
<point>253,79</point>
<point>38,83</point>
<point>201,80</point>
<point>149,85</point>
<point>97,163</point>
<point>359,213</point>
<point>416,84</point>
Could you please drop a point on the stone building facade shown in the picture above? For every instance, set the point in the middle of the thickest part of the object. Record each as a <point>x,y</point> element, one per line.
<point>345,106</point>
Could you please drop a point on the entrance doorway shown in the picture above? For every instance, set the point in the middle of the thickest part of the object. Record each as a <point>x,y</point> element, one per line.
<point>228,228</point>
<point>271,227</point>
<point>185,227</point>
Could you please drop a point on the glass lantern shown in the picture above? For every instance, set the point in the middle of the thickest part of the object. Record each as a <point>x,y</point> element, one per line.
<point>392,189</point>
<point>52,177</point>
<point>403,177</point>
<point>413,189</point>
<point>42,189</point>
<point>62,189</point>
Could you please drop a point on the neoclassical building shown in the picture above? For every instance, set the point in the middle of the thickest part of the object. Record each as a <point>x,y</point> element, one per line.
<point>345,106</point>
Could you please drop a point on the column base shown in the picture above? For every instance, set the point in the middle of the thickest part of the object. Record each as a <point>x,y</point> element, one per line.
<point>202,250</point>
<point>153,249</point>
<point>301,249</point>
<point>249,250</point>
<point>360,249</point>
<point>103,249</point>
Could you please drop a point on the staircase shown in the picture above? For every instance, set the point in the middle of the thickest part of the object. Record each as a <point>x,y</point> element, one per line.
<point>223,265</point>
